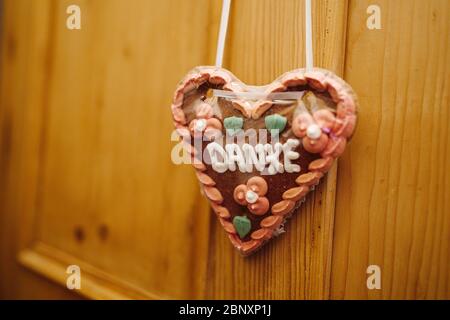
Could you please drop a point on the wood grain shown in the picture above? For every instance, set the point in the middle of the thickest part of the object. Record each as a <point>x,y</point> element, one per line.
<point>24,61</point>
<point>95,283</point>
<point>122,180</point>
<point>392,206</point>
<point>105,187</point>
<point>267,39</point>
<point>85,169</point>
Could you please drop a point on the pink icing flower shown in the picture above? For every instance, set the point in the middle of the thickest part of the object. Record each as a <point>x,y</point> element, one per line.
<point>204,123</point>
<point>252,195</point>
<point>314,129</point>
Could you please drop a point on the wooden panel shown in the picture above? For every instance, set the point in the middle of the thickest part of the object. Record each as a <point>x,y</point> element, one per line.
<point>392,205</point>
<point>24,58</point>
<point>105,185</point>
<point>108,105</point>
<point>94,282</point>
<point>266,39</point>
<point>85,167</point>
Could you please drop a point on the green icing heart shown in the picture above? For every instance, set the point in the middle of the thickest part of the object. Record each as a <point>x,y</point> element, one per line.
<point>233,124</point>
<point>243,225</point>
<point>275,123</point>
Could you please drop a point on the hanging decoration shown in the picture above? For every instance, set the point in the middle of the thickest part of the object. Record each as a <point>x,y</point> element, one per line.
<point>259,150</point>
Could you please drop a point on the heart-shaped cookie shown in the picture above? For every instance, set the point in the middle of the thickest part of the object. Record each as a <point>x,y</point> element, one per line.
<point>255,181</point>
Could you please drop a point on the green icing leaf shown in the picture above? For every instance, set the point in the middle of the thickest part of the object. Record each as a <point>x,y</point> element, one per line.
<point>275,123</point>
<point>233,124</point>
<point>243,225</point>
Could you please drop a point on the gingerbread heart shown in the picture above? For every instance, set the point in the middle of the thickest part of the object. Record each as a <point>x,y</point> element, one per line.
<point>258,151</point>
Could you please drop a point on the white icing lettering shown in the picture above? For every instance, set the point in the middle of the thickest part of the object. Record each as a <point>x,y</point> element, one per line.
<point>219,166</point>
<point>260,157</point>
<point>289,155</point>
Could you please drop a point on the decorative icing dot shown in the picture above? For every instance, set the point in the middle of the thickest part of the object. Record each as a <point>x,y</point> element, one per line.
<point>251,196</point>
<point>313,131</point>
<point>200,125</point>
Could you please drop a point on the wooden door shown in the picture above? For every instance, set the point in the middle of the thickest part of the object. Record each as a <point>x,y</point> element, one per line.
<point>87,180</point>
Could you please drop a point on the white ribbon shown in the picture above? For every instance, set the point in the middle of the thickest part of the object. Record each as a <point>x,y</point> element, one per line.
<point>222,32</point>
<point>251,95</point>
<point>224,26</point>
<point>308,32</point>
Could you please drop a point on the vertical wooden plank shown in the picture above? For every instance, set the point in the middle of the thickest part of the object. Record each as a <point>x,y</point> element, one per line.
<point>266,39</point>
<point>392,202</point>
<point>98,154</point>
<point>24,67</point>
<point>109,106</point>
